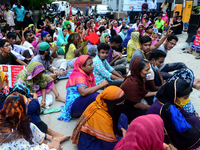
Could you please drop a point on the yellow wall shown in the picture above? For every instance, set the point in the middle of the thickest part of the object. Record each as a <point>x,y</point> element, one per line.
<point>187,11</point>
<point>178,7</point>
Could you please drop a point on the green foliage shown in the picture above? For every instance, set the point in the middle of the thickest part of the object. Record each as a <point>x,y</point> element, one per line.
<point>198,9</point>
<point>36,4</point>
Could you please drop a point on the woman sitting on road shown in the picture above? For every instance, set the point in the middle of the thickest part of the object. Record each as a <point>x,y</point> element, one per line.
<point>181,128</point>
<point>17,132</point>
<point>37,81</point>
<point>102,120</point>
<point>134,89</point>
<point>81,88</point>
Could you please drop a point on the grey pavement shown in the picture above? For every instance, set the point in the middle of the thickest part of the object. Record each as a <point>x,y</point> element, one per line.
<point>174,55</point>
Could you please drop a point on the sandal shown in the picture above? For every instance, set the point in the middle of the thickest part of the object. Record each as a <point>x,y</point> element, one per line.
<point>52,110</point>
<point>187,52</point>
<point>198,57</point>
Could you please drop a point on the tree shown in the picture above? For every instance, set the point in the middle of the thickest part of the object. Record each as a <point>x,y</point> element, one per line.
<point>36,4</point>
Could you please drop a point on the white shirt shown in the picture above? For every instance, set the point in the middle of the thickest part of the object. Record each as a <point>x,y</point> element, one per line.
<point>9,17</point>
<point>135,26</point>
<point>18,55</point>
<point>62,7</point>
<point>28,45</point>
<point>153,5</point>
<point>162,48</point>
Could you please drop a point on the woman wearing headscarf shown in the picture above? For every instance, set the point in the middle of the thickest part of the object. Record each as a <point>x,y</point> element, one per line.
<point>90,27</point>
<point>187,75</point>
<point>101,121</point>
<point>34,78</point>
<point>181,128</point>
<point>62,41</point>
<point>144,133</point>
<point>127,38</point>
<point>105,38</point>
<point>81,88</point>
<point>165,19</point>
<point>73,49</point>
<point>133,45</point>
<point>17,132</point>
<point>96,27</point>
<point>123,32</point>
<point>134,89</point>
<point>3,79</point>
<point>141,29</point>
<point>115,27</point>
<point>126,18</point>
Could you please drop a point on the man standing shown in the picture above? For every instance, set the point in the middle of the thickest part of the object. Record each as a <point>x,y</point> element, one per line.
<point>153,7</point>
<point>20,14</point>
<point>144,7</point>
<point>8,16</point>
<point>79,10</point>
<point>62,8</point>
<point>86,11</point>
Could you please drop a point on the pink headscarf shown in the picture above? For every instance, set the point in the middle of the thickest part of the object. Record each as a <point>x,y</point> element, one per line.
<point>165,19</point>
<point>117,29</point>
<point>78,76</point>
<point>141,33</point>
<point>144,133</point>
<point>145,15</point>
<point>96,26</point>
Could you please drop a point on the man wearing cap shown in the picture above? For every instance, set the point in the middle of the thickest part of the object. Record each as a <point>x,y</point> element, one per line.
<point>46,37</point>
<point>44,58</point>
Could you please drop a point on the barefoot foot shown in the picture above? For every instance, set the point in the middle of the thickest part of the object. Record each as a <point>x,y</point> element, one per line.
<point>62,139</point>
<point>59,98</point>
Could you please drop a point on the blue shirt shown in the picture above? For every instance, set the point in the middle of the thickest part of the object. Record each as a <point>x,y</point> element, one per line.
<point>20,12</point>
<point>56,8</point>
<point>102,70</point>
<point>79,8</point>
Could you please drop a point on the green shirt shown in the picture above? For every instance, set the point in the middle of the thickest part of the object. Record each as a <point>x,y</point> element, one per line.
<point>159,24</point>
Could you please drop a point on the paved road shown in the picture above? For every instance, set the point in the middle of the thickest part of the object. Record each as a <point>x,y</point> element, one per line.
<point>175,55</point>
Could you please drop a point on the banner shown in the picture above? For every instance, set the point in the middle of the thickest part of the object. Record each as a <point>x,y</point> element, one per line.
<point>134,5</point>
<point>12,72</point>
<point>196,43</point>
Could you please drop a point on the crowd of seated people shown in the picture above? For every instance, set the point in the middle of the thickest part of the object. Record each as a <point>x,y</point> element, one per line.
<point>119,87</point>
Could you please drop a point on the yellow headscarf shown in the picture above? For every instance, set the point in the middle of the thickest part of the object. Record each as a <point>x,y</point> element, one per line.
<point>96,119</point>
<point>133,45</point>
